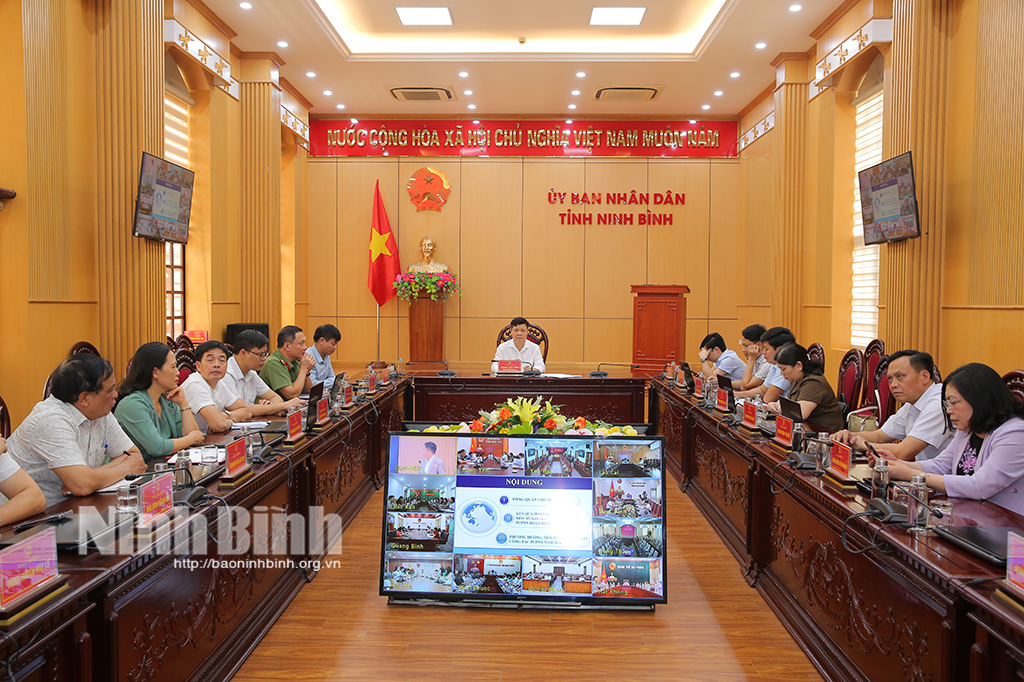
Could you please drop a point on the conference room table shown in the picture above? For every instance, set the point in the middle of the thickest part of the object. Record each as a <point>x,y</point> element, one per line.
<point>177,606</point>
<point>883,604</point>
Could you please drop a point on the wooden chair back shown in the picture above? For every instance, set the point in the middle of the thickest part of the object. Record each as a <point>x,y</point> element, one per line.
<point>533,333</point>
<point>873,354</point>
<point>1015,382</point>
<point>851,376</point>
<point>817,353</point>
<point>5,419</point>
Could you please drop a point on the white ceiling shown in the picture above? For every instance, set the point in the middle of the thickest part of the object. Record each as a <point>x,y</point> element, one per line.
<point>359,50</point>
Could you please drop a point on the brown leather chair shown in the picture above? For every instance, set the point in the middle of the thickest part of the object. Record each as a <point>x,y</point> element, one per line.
<point>851,375</point>
<point>1014,381</point>
<point>83,347</point>
<point>817,353</point>
<point>172,343</point>
<point>185,342</point>
<point>533,333</point>
<point>185,359</point>
<point>5,420</point>
<point>873,354</point>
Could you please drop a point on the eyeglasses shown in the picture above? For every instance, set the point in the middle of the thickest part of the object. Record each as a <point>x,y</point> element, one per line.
<point>950,403</point>
<point>263,356</point>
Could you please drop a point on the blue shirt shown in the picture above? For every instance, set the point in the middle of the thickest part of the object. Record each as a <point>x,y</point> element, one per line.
<point>775,378</point>
<point>731,364</point>
<point>322,370</point>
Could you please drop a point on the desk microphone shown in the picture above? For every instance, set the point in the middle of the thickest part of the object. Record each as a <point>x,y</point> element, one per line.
<point>598,374</point>
<point>441,373</point>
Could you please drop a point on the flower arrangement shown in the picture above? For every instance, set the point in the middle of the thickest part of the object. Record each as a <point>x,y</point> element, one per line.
<point>537,416</point>
<point>440,285</point>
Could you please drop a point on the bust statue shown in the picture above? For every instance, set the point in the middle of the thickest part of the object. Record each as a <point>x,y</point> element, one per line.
<point>427,247</point>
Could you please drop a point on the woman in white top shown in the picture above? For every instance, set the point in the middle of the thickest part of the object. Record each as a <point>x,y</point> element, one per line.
<point>519,348</point>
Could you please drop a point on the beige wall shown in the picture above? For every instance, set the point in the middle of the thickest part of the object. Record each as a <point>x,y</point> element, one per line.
<point>504,239</point>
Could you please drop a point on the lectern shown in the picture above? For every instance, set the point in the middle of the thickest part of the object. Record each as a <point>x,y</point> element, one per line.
<point>426,329</point>
<point>659,326</point>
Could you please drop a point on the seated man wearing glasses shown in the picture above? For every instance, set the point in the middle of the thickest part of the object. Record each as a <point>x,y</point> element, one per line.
<point>251,350</point>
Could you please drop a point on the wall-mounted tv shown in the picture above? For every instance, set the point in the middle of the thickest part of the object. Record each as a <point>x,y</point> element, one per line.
<point>164,203</point>
<point>532,519</point>
<point>888,202</point>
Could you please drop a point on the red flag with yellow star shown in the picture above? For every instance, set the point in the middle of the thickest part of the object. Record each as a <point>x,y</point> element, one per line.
<point>384,265</point>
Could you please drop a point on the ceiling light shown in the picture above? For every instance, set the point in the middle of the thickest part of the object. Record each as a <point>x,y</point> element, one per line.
<point>467,92</point>
<point>572,106</point>
<point>568,121</point>
<point>424,16</point>
<point>311,74</point>
<point>476,123</point>
<point>472,106</point>
<point>575,92</point>
<point>795,8</point>
<point>245,5</point>
<point>282,43</point>
<point>693,121</point>
<point>706,107</point>
<point>328,93</point>
<point>734,74</point>
<point>354,121</point>
<point>463,74</point>
<point>341,106</point>
<point>580,74</point>
<point>617,16</point>
<point>718,93</point>
<point>761,46</point>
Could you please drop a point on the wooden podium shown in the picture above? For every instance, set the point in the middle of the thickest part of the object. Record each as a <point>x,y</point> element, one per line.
<point>426,329</point>
<point>659,326</point>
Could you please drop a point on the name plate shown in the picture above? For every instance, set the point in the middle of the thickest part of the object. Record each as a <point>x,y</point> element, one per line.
<point>784,431</point>
<point>156,498</point>
<point>295,425</point>
<point>698,389</point>
<point>371,382</point>
<point>750,415</point>
<point>841,458</point>
<point>722,400</point>
<point>323,409</point>
<point>236,458</point>
<point>350,395</point>
<point>27,566</point>
<point>1015,563</point>
<point>510,366</point>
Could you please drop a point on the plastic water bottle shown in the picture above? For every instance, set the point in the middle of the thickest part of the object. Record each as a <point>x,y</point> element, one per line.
<point>880,480</point>
<point>917,504</point>
<point>248,444</point>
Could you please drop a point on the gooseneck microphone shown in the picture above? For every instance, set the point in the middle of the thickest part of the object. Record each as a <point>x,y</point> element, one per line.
<point>598,374</point>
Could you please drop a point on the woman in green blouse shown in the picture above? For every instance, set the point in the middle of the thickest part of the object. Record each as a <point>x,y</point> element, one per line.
<point>151,408</point>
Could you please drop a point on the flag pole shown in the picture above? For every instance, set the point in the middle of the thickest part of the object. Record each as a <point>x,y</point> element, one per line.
<point>378,332</point>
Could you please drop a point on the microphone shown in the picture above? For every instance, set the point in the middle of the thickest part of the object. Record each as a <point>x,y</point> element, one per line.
<point>598,374</point>
<point>888,511</point>
<point>441,373</point>
<point>909,490</point>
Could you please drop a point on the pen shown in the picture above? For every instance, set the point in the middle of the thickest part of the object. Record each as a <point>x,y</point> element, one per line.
<point>55,517</point>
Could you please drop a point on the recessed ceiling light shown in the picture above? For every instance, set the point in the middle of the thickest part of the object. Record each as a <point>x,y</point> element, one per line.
<point>761,46</point>
<point>341,106</point>
<point>718,93</point>
<point>795,8</point>
<point>328,93</point>
<point>580,74</point>
<point>572,106</point>
<point>463,74</point>
<point>354,121</point>
<point>424,16</point>
<point>282,43</point>
<point>693,121</point>
<point>311,74</point>
<point>706,107</point>
<point>617,16</point>
<point>575,92</point>
<point>734,74</point>
<point>245,5</point>
<point>472,106</point>
<point>467,92</point>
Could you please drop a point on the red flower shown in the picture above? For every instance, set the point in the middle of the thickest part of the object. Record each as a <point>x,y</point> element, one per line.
<point>580,423</point>
<point>476,426</point>
<point>550,424</point>
<point>504,414</point>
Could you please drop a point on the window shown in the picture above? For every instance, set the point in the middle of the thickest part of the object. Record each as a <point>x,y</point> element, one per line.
<point>176,118</point>
<point>868,152</point>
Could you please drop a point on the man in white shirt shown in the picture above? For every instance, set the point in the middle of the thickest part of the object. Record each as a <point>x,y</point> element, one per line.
<point>71,441</point>
<point>519,348</point>
<point>726,363</point>
<point>215,406</point>
<point>242,377</point>
<point>325,342</point>
<point>920,425</point>
<point>757,367</point>
<point>775,384</point>
<point>432,464</point>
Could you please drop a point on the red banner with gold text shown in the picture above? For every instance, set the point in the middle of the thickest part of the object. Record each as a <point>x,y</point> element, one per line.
<point>706,139</point>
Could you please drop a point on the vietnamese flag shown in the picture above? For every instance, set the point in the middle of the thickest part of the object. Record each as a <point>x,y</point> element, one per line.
<point>384,265</point>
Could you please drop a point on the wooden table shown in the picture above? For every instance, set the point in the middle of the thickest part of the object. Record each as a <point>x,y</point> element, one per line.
<point>882,614</point>
<point>150,615</point>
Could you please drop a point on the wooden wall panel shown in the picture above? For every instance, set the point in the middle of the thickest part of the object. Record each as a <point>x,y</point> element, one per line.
<point>226,241</point>
<point>324,221</point>
<point>726,232</point>
<point>758,164</point>
<point>677,253</point>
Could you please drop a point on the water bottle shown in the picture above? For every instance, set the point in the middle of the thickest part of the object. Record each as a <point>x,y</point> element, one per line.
<point>917,504</point>
<point>880,480</point>
<point>248,444</point>
<point>798,437</point>
<point>822,451</point>
<point>762,413</point>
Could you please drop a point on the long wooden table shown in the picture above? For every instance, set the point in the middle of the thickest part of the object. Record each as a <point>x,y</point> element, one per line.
<point>905,611</point>
<point>146,613</point>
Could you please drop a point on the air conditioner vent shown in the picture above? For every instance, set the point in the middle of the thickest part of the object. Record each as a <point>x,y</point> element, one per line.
<point>423,94</point>
<point>629,93</point>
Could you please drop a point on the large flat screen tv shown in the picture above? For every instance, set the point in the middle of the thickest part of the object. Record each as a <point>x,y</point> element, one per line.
<point>164,203</point>
<point>533,519</point>
<point>888,202</point>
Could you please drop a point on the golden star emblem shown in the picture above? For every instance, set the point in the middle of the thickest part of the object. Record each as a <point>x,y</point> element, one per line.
<point>378,244</point>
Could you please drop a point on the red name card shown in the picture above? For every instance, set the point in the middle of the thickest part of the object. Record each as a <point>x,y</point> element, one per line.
<point>198,336</point>
<point>156,499</point>
<point>295,425</point>
<point>698,387</point>
<point>372,382</point>
<point>722,400</point>
<point>750,415</point>
<point>236,458</point>
<point>349,394</point>
<point>840,463</point>
<point>784,431</point>
<point>27,565</point>
<point>510,366</point>
<point>322,409</point>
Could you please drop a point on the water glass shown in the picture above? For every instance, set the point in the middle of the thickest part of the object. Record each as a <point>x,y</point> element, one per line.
<point>209,455</point>
<point>128,499</point>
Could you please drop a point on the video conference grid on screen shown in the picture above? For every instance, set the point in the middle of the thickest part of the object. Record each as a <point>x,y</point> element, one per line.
<point>569,518</point>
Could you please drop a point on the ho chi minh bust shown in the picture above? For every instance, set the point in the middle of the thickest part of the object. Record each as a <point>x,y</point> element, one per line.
<point>427,247</point>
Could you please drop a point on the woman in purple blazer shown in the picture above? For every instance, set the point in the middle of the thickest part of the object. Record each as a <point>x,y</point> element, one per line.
<point>985,459</point>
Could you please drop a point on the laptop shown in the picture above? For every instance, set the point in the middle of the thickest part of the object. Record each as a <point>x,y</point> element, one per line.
<point>987,542</point>
<point>688,383</point>
<point>316,393</point>
<point>790,409</point>
<point>336,386</point>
